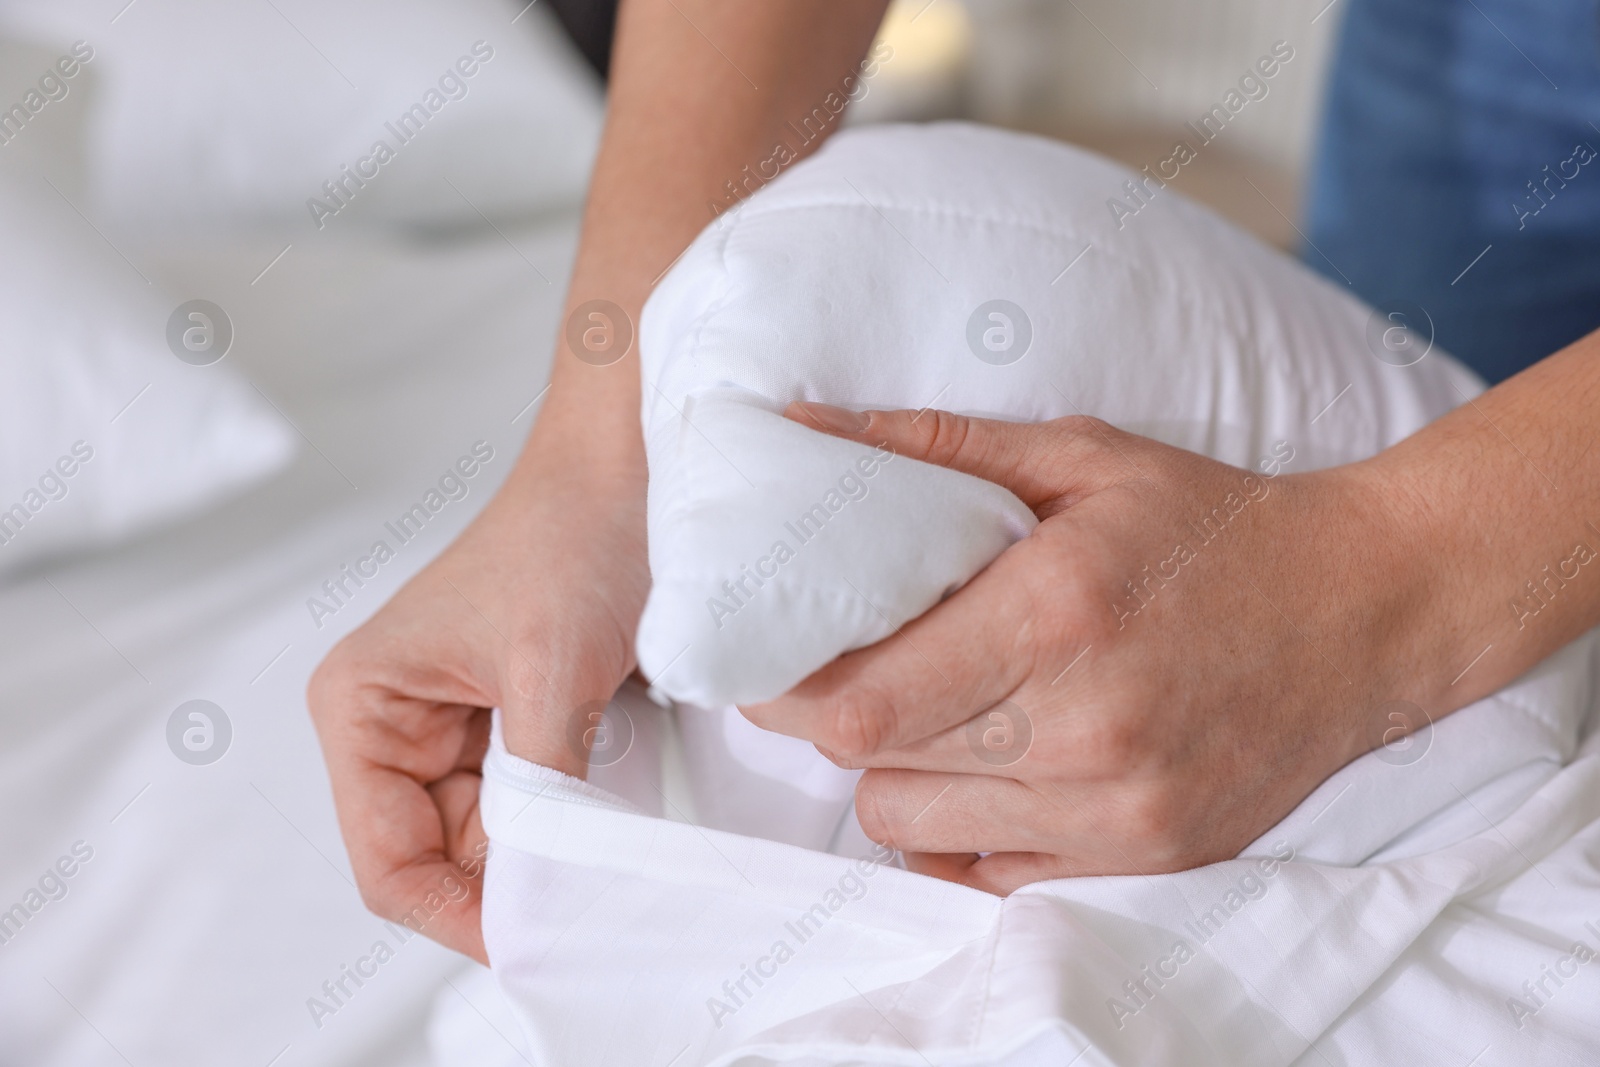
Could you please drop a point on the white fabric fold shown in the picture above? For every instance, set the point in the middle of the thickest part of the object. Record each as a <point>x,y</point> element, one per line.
<point>801,531</point>
<point>1411,909</point>
<point>624,939</point>
<point>978,271</point>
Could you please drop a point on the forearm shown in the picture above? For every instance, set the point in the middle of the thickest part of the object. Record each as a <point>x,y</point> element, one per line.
<point>1501,524</point>
<point>701,90</point>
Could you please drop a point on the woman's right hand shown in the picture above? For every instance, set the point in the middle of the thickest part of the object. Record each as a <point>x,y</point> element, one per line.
<point>532,610</point>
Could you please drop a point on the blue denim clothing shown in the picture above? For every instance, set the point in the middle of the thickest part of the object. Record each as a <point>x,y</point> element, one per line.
<point>1455,126</point>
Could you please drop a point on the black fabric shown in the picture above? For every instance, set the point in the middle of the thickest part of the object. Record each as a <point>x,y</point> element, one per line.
<point>591,24</point>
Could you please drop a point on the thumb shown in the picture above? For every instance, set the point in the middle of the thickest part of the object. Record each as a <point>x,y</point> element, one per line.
<point>1040,462</point>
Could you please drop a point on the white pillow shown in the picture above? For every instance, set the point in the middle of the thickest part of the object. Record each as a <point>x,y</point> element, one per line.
<point>213,115</point>
<point>867,277</point>
<point>103,430</point>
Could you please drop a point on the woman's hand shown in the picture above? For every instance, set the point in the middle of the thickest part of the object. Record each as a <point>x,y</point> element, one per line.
<point>1178,654</point>
<point>532,610</point>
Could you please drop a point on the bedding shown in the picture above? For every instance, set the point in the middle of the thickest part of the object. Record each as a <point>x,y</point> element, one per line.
<point>983,272</point>
<point>236,118</point>
<point>1406,911</point>
<point>218,898</point>
<point>115,414</point>
<point>1406,908</point>
<point>210,900</point>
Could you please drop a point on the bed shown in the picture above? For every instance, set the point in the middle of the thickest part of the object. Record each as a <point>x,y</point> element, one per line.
<point>185,897</point>
<point>218,898</point>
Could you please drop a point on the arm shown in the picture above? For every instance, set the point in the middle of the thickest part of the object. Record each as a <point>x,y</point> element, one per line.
<point>533,609</point>
<point>1172,731</point>
<point>1495,500</point>
<point>701,90</point>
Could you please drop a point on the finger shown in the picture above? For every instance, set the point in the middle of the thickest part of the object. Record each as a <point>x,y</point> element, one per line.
<point>1000,873</point>
<point>964,655</point>
<point>1039,462</point>
<point>421,866</point>
<point>457,920</point>
<point>997,741</point>
<point>404,774</point>
<point>915,811</point>
<point>475,743</point>
<point>1087,829</point>
<point>1003,873</point>
<point>951,867</point>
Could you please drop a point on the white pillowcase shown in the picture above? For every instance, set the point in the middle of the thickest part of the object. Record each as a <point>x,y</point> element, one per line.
<point>1418,896</point>
<point>103,431</point>
<point>864,277</point>
<point>219,115</point>
<point>721,948</point>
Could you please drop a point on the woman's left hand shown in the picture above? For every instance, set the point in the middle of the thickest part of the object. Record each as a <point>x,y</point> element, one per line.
<point>1176,657</point>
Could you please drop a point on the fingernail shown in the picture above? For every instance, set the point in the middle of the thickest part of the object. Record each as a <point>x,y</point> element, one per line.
<point>839,420</point>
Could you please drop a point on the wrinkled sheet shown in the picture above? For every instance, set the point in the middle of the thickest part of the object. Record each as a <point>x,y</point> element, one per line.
<point>1394,916</point>
<point>219,898</point>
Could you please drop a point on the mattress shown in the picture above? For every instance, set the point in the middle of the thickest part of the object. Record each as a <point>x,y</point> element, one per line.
<point>210,902</point>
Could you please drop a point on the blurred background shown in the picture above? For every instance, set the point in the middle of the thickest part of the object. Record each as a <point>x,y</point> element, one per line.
<point>1123,77</point>
<point>162,159</point>
<point>1119,76</point>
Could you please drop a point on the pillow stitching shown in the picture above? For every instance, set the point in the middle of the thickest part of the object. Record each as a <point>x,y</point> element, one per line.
<point>691,342</point>
<point>940,211</point>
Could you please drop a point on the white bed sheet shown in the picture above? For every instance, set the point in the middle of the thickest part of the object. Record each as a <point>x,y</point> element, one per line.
<point>218,898</point>
<point>1440,909</point>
